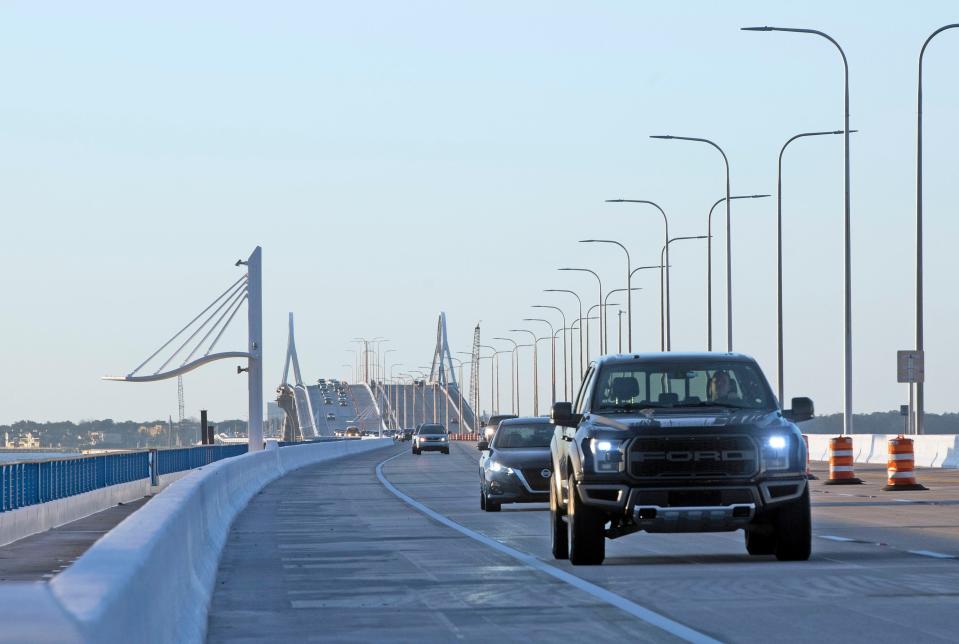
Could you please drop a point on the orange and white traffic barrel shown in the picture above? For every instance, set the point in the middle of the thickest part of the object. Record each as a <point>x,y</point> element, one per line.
<point>901,466</point>
<point>809,475</point>
<point>841,470</point>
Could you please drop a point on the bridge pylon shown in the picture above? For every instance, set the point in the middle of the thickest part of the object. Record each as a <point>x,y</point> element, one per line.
<point>442,371</point>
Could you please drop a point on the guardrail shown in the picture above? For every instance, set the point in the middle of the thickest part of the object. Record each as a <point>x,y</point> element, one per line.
<point>36,482</point>
<point>189,458</point>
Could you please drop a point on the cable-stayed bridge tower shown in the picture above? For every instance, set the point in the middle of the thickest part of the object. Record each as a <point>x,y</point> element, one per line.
<point>442,370</point>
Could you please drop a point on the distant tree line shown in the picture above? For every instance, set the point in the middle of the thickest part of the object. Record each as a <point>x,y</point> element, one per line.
<point>880,422</point>
<point>111,434</point>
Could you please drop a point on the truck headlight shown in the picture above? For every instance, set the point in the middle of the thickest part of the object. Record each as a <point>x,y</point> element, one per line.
<point>607,455</point>
<point>776,453</point>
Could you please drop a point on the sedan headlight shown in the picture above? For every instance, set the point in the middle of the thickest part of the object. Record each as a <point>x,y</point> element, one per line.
<point>496,466</point>
<point>608,455</point>
<point>776,453</point>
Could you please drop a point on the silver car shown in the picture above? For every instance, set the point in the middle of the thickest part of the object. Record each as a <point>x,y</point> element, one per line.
<point>431,438</point>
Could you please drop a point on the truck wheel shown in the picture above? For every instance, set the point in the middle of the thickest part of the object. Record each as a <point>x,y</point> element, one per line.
<point>491,506</point>
<point>482,499</point>
<point>446,451</point>
<point>559,536</point>
<point>760,543</point>
<point>794,530</point>
<point>416,452</point>
<point>586,528</point>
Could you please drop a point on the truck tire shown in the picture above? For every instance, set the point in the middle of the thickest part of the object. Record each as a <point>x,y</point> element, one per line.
<point>416,452</point>
<point>491,506</point>
<point>760,542</point>
<point>559,536</point>
<point>586,529</point>
<point>794,530</point>
<point>482,499</point>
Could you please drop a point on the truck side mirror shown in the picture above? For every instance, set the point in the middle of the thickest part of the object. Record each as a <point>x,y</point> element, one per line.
<point>562,414</point>
<point>482,446</point>
<point>802,410</point>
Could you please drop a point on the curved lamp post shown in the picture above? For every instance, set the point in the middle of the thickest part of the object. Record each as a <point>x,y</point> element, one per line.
<point>729,246</point>
<point>779,259</point>
<point>709,267</point>
<point>629,295</point>
<point>920,387</point>
<point>600,301</point>
<point>847,246</point>
<point>664,342</point>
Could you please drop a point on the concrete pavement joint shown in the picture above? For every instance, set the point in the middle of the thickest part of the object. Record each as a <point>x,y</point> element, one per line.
<point>649,616</point>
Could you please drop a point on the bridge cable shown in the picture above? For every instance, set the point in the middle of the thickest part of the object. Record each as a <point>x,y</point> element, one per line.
<point>188,325</point>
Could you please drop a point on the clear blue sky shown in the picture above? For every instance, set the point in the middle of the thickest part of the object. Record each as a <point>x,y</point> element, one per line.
<point>368,146</point>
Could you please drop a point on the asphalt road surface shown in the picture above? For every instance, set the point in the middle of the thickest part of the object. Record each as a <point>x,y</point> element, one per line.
<point>340,553</point>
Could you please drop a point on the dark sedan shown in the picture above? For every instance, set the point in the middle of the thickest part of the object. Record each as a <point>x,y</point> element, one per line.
<point>515,465</point>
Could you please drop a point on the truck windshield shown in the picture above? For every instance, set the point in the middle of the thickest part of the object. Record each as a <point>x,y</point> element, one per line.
<point>638,385</point>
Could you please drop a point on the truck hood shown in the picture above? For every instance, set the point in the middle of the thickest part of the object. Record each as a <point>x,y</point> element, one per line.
<point>692,418</point>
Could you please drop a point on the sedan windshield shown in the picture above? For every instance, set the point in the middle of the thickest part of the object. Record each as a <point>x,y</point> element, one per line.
<point>523,436</point>
<point>642,385</point>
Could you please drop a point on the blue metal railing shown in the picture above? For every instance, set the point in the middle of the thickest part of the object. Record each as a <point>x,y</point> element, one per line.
<point>36,482</point>
<point>189,458</point>
<point>31,483</point>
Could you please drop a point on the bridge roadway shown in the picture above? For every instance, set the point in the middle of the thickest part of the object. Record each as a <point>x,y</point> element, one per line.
<point>332,554</point>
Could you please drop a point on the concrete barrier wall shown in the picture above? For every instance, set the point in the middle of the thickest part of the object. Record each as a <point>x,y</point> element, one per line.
<point>150,579</point>
<point>32,519</point>
<point>931,450</point>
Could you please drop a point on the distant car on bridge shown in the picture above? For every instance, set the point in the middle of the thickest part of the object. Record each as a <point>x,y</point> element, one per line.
<point>516,466</point>
<point>431,437</point>
<point>353,432</point>
<point>331,416</point>
<point>492,423</point>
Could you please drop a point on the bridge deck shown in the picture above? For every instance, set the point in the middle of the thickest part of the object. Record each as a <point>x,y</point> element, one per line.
<point>332,554</point>
<point>41,556</point>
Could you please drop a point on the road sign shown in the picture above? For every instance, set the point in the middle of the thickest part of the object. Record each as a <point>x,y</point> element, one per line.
<point>910,365</point>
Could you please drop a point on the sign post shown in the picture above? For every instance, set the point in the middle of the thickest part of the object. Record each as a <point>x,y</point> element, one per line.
<point>910,369</point>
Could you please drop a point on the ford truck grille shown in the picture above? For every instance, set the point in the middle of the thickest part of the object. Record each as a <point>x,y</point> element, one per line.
<point>693,457</point>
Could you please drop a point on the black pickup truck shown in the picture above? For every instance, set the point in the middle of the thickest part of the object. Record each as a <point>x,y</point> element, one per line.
<point>678,442</point>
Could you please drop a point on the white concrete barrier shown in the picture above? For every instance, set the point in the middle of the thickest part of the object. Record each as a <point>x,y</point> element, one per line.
<point>150,579</point>
<point>931,450</point>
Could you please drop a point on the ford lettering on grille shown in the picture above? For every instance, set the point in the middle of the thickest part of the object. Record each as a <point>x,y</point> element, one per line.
<point>699,456</point>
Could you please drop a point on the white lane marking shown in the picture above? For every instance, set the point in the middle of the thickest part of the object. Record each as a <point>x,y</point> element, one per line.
<point>650,617</point>
<point>834,538</point>
<point>930,553</point>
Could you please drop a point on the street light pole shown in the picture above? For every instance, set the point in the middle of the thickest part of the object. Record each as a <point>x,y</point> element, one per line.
<point>664,343</point>
<point>514,371</point>
<point>920,386</point>
<point>582,364</point>
<point>602,349</point>
<point>662,316</point>
<point>847,245</point>
<point>629,294</point>
<point>535,369</point>
<point>552,334</point>
<point>779,260</point>
<point>709,267</point>
<point>567,362</point>
<point>662,254</point>
<point>729,245</point>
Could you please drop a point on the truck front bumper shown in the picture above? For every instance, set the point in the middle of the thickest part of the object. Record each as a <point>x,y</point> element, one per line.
<point>686,508</point>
